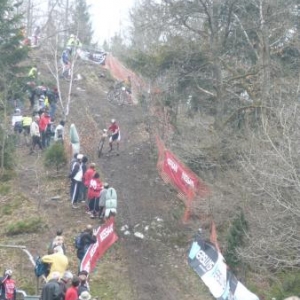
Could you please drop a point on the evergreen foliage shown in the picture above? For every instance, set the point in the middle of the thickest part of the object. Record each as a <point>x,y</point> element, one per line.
<point>81,23</point>
<point>235,239</point>
<point>56,156</point>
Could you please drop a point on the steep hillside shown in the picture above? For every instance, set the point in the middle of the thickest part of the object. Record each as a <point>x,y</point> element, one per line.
<point>152,267</point>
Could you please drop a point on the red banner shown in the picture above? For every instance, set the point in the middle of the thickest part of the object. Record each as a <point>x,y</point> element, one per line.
<point>182,177</point>
<point>106,237</point>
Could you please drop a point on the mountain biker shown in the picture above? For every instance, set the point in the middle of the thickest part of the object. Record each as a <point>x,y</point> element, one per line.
<point>73,42</point>
<point>114,129</point>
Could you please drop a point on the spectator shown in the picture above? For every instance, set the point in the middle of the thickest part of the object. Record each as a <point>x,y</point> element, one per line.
<point>87,237</point>
<point>35,134</point>
<point>76,178</point>
<point>8,286</point>
<point>51,290</point>
<point>35,35</point>
<point>94,194</point>
<point>88,175</point>
<point>85,296</point>
<point>102,200</point>
<point>16,121</point>
<point>59,132</point>
<point>33,73</point>
<point>26,122</point>
<point>83,285</point>
<point>72,293</point>
<point>66,63</point>
<point>64,282</point>
<point>82,191</point>
<point>58,261</point>
<point>57,241</point>
<point>44,121</point>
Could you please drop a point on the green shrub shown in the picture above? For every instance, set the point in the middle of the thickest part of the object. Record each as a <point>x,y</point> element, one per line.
<point>30,225</point>
<point>235,239</point>
<point>56,156</point>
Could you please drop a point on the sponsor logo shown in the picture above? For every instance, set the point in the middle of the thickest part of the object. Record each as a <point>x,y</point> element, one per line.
<point>205,260</point>
<point>187,179</point>
<point>106,232</point>
<point>172,164</point>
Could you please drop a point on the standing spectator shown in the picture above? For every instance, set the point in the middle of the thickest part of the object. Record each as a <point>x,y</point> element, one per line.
<point>102,200</point>
<point>35,134</point>
<point>57,241</point>
<point>83,285</point>
<point>82,191</point>
<point>66,63</point>
<point>58,261</point>
<point>94,194</point>
<point>72,293</point>
<point>76,178</point>
<point>8,286</point>
<point>51,290</point>
<point>59,132</point>
<point>87,237</point>
<point>88,175</point>
<point>53,97</point>
<point>16,121</point>
<point>64,282</point>
<point>35,35</point>
<point>44,121</point>
<point>33,73</point>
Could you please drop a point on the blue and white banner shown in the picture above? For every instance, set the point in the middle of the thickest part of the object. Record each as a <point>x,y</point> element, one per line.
<point>210,265</point>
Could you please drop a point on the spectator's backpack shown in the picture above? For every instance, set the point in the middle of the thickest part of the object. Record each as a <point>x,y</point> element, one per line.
<point>78,242</point>
<point>111,198</point>
<point>40,268</point>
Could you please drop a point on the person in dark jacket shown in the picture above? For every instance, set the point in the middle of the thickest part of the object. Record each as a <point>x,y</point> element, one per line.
<point>88,237</point>
<point>76,176</point>
<point>51,290</point>
<point>83,285</point>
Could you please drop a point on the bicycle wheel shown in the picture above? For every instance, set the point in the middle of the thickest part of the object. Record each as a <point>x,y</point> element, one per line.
<point>100,148</point>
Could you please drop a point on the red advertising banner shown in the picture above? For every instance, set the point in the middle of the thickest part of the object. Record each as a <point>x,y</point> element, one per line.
<point>106,237</point>
<point>183,178</point>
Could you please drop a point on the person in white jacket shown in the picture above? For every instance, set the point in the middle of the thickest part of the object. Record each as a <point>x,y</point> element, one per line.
<point>35,134</point>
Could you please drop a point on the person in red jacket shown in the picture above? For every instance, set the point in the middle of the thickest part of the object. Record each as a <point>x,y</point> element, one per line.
<point>43,123</point>
<point>87,176</point>
<point>94,190</point>
<point>8,286</point>
<point>71,293</point>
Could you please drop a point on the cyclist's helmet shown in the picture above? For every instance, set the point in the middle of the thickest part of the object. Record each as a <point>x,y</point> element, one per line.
<point>17,111</point>
<point>72,35</point>
<point>113,121</point>
<point>104,130</point>
<point>123,88</point>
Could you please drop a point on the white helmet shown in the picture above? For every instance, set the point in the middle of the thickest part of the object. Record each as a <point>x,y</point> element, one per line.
<point>123,88</point>
<point>72,35</point>
<point>8,273</point>
<point>104,130</point>
<point>113,121</point>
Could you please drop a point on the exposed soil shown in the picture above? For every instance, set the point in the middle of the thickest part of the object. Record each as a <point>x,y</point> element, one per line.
<point>154,267</point>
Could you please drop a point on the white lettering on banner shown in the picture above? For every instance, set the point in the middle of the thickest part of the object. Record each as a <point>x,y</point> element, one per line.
<point>93,249</point>
<point>106,232</point>
<point>187,179</point>
<point>172,165</point>
<point>205,260</point>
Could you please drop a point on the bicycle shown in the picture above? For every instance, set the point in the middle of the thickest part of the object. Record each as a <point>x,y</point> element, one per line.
<point>102,142</point>
<point>117,93</point>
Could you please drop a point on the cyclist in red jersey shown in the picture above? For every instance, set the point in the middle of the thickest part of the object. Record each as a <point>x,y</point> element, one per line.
<point>114,129</point>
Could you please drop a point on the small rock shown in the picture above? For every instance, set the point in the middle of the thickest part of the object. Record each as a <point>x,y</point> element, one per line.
<point>136,226</point>
<point>124,227</point>
<point>139,235</point>
<point>146,228</point>
<point>159,219</point>
<point>127,232</point>
<point>56,198</point>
